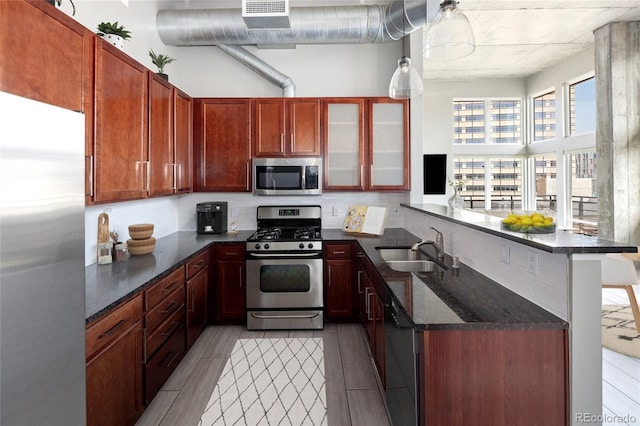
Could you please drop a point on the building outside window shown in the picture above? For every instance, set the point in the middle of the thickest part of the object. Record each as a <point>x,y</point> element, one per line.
<point>546,182</point>
<point>544,117</point>
<point>487,122</point>
<point>584,199</point>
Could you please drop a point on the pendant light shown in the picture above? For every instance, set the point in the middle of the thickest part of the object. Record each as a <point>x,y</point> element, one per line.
<point>450,35</point>
<point>406,82</point>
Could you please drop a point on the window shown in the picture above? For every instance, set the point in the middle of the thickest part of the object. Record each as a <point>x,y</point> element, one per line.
<point>584,200</point>
<point>544,117</point>
<point>546,189</point>
<point>487,122</point>
<point>582,107</point>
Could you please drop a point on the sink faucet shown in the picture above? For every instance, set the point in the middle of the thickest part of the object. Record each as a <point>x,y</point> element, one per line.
<point>419,243</point>
<point>439,245</point>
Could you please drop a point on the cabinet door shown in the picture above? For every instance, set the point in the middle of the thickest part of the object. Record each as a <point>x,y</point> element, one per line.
<point>388,159</point>
<point>183,140</point>
<point>161,152</point>
<point>230,281</point>
<point>222,145</point>
<point>303,128</point>
<point>270,128</point>
<point>196,305</point>
<point>121,166</point>
<point>43,54</point>
<point>343,144</point>
<point>338,290</point>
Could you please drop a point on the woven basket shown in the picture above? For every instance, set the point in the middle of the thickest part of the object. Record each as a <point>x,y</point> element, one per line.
<point>141,231</point>
<point>141,247</point>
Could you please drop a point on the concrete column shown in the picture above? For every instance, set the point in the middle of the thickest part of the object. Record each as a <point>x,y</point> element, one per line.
<point>617,71</point>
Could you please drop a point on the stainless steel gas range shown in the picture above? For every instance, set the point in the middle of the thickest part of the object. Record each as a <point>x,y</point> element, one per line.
<point>285,269</point>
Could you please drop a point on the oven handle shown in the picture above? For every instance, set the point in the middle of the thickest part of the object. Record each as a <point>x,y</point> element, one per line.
<point>259,316</point>
<point>287,255</point>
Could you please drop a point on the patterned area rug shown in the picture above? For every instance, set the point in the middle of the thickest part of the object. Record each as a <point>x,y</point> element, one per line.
<point>619,331</point>
<point>270,382</point>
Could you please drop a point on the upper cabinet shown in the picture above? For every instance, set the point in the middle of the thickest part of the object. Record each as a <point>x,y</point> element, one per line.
<point>222,145</point>
<point>183,140</point>
<point>366,144</point>
<point>46,55</point>
<point>288,127</point>
<point>161,147</point>
<point>121,167</point>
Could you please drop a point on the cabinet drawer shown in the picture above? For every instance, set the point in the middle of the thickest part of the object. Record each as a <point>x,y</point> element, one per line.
<point>164,310</point>
<point>197,263</point>
<point>163,288</point>
<point>338,251</point>
<point>113,325</point>
<point>163,363</point>
<point>229,252</point>
<point>166,329</point>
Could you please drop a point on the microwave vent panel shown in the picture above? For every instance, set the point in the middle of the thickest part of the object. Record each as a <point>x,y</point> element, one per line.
<point>266,13</point>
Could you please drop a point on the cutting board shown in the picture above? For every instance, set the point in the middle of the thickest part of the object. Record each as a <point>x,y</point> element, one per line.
<point>103,228</point>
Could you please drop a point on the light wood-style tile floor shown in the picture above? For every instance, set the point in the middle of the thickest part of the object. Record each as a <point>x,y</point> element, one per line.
<point>353,393</point>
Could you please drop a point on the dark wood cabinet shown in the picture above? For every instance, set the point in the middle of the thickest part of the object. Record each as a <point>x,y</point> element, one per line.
<point>121,126</point>
<point>161,143</point>
<point>183,141</point>
<point>287,127</point>
<point>46,55</point>
<point>222,145</point>
<point>230,282</point>
<point>114,350</point>
<point>197,274</point>
<point>339,289</point>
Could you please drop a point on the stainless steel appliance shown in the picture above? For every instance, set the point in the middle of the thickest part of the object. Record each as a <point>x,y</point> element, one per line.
<point>211,217</point>
<point>401,363</point>
<point>42,295</point>
<point>287,176</point>
<point>285,269</point>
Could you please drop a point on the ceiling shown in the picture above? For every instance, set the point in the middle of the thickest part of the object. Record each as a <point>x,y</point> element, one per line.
<point>514,38</point>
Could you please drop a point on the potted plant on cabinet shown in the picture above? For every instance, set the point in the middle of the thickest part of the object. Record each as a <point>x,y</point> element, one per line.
<point>113,33</point>
<point>160,60</point>
<point>59,2</point>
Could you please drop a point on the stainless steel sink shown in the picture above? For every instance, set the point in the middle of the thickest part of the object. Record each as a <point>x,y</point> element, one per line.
<point>412,265</point>
<point>399,254</point>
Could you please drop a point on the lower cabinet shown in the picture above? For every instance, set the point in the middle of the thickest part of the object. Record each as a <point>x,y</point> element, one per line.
<point>230,275</point>
<point>160,366</point>
<point>114,348</point>
<point>197,275</point>
<point>338,285</point>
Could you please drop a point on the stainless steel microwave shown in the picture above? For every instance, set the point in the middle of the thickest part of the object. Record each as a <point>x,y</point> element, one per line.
<point>287,176</point>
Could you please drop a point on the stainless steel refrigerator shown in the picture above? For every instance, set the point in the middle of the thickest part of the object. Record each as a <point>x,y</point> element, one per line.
<point>42,296</point>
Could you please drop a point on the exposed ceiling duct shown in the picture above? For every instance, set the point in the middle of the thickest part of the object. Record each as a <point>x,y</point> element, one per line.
<point>309,25</point>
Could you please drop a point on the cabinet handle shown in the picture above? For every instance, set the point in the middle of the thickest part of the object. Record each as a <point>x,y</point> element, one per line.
<point>281,142</point>
<point>89,190</point>
<point>359,280</point>
<point>293,142</point>
<point>146,177</point>
<point>168,309</point>
<point>370,175</point>
<point>339,252</point>
<point>144,345</point>
<point>172,356</point>
<point>173,328</point>
<point>369,316</point>
<point>114,328</point>
<point>170,286</point>
<point>174,166</point>
<point>191,298</point>
<point>248,176</point>
<point>362,175</point>
<point>366,301</point>
<point>199,264</point>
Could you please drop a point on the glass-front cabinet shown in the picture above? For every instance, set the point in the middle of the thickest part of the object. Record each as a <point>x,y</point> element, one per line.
<point>366,144</point>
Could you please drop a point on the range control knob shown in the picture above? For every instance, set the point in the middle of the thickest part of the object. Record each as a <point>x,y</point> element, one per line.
<point>266,246</point>
<point>257,246</point>
<point>301,245</point>
<point>310,245</point>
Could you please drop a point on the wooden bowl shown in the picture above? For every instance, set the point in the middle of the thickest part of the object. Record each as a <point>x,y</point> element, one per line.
<point>141,231</point>
<point>141,247</point>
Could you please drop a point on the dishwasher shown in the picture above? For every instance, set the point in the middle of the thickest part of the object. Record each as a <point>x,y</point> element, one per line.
<point>401,367</point>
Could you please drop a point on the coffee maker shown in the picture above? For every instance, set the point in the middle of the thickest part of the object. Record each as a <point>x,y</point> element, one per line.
<point>212,217</point>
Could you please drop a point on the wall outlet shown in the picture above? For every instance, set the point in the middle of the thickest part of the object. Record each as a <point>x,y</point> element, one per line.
<point>504,252</point>
<point>396,211</point>
<point>532,263</point>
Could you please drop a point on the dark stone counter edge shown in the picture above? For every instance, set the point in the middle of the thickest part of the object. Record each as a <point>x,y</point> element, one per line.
<point>570,243</point>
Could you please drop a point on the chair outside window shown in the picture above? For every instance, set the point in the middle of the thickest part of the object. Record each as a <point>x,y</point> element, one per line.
<point>620,272</point>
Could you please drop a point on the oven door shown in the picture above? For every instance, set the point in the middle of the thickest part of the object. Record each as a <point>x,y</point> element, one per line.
<point>284,280</point>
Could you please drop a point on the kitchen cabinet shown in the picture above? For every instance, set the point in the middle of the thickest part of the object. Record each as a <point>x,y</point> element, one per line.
<point>230,278</point>
<point>114,349</point>
<point>56,70</point>
<point>287,127</point>
<point>339,289</point>
<point>366,144</point>
<point>165,330</point>
<point>120,151</point>
<point>161,142</point>
<point>197,276</point>
<point>222,145</point>
<point>183,141</point>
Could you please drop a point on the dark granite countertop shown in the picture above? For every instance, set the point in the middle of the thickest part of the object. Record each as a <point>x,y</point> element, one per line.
<point>446,299</point>
<point>106,286</point>
<point>562,241</point>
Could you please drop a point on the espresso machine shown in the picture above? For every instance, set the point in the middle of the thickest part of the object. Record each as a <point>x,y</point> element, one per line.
<point>211,217</point>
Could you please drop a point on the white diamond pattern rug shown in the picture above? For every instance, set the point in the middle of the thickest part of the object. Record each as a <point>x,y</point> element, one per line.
<point>270,382</point>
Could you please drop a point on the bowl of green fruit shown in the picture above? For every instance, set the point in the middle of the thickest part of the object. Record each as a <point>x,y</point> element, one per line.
<point>535,223</point>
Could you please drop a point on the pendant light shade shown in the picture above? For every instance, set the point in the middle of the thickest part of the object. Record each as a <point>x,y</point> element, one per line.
<point>406,82</point>
<point>450,35</point>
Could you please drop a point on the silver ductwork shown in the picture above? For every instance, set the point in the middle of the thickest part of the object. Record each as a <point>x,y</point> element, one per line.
<point>309,25</point>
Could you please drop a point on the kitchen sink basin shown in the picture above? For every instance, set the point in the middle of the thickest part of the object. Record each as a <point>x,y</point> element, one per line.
<point>412,265</point>
<point>399,254</point>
